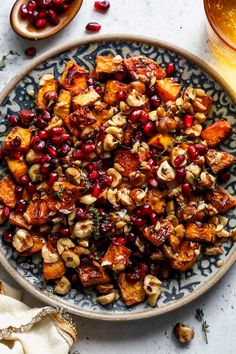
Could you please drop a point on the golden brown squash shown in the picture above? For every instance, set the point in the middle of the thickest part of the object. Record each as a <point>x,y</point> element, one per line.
<point>162,141</point>
<point>108,65</point>
<point>50,86</point>
<point>23,134</point>
<point>116,257</point>
<point>36,212</point>
<point>85,98</point>
<point>54,270</point>
<point>217,132</point>
<point>132,292</point>
<point>185,257</point>
<point>91,273</point>
<point>159,233</point>
<point>218,160</point>
<point>74,78</point>
<point>17,168</point>
<point>221,199</point>
<point>62,107</point>
<point>128,160</point>
<point>111,89</point>
<point>201,232</point>
<point>7,195</point>
<point>143,69</point>
<point>167,89</point>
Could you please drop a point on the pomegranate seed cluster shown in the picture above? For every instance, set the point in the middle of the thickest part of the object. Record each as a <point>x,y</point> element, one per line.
<point>115,179</point>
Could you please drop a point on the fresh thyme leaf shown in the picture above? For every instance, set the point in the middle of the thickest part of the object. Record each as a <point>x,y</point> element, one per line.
<point>4,58</point>
<point>96,220</point>
<point>199,315</point>
<point>58,194</point>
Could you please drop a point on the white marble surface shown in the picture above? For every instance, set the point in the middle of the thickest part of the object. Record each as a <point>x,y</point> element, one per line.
<point>181,22</point>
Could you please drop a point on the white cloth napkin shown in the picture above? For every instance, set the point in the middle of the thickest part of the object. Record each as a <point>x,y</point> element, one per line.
<point>33,331</point>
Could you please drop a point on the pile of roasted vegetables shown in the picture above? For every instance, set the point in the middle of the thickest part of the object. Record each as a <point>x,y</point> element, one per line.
<point>113,179</point>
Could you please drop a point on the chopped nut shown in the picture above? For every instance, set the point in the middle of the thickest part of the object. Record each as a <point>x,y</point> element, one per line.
<point>152,299</point>
<point>116,177</point>
<point>63,286</point>
<point>106,299</point>
<point>104,288</point>
<point>88,199</point>
<point>22,241</point>
<point>219,263</point>
<point>165,172</point>
<point>183,333</point>
<point>151,285</point>
<point>49,254</point>
<point>83,228</point>
<point>63,244</point>
<point>35,173</point>
<point>71,259</point>
<point>73,175</point>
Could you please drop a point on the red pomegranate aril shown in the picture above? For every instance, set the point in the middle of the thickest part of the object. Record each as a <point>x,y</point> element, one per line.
<point>143,269</point>
<point>89,147</point>
<point>102,6</point>
<point>42,14</point>
<point>81,214</point>
<point>137,220</point>
<point>98,89</point>
<point>41,123</point>
<point>96,190</point>
<point>147,210</point>
<point>56,131</point>
<point>93,27</point>
<point>31,188</point>
<point>65,136</point>
<point>53,18</point>
<point>193,152</point>
<point>19,191</point>
<point>94,175</point>
<point>78,154</point>
<point>65,149</point>
<point>149,128</point>
<point>181,174</point>
<point>21,205</point>
<point>64,231</point>
<point>13,120</point>
<point>131,238</point>
<point>121,240</point>
<point>152,182</point>
<point>26,116</point>
<point>15,155</point>
<point>188,121</point>
<point>56,140</point>
<point>154,218</point>
<point>31,6</point>
<point>224,176</point>
<point>45,115</point>
<point>202,149</point>
<point>43,134</point>
<point>52,151</point>
<point>135,116</point>
<point>24,13</point>
<point>16,142</point>
<point>46,158</point>
<point>24,179</point>
<point>187,190</point>
<point>179,160</point>
<point>46,168</point>
<point>41,23</point>
<point>66,7</point>
<point>144,117</point>
<point>170,69</point>
<point>7,236</point>
<point>155,100</point>
<point>53,177</point>
<point>6,212</point>
<point>132,277</point>
<point>39,147</point>
<point>90,82</point>
<point>30,52</point>
<point>121,95</point>
<point>59,2</point>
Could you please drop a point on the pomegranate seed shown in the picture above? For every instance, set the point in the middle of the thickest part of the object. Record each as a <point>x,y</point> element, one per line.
<point>45,168</point>
<point>21,205</point>
<point>42,14</point>
<point>143,269</point>
<point>53,177</point>
<point>137,221</point>
<point>193,152</point>
<point>106,227</point>
<point>66,7</point>
<point>40,23</point>
<point>19,191</point>
<point>39,146</point>
<point>53,18</point>
<point>96,190</point>
<point>24,13</point>
<point>181,174</point>
<point>31,188</point>
<point>93,27</point>
<point>147,210</point>
<point>102,6</point>
<point>81,214</point>
<point>6,212</point>
<point>65,136</point>
<point>188,121</point>
<point>179,160</point>
<point>52,151</point>
<point>187,190</point>
<point>57,131</point>
<point>170,69</point>
<point>56,140</point>
<point>144,117</point>
<point>132,277</point>
<point>46,158</point>
<point>151,91</point>
<point>31,6</point>
<point>154,218</point>
<point>16,142</point>
<point>91,257</point>
<point>51,96</point>
<point>224,177</point>
<point>59,2</point>
<point>1,154</point>
<point>40,123</point>
<point>152,182</point>
<point>45,4</point>
<point>43,134</point>
<point>89,147</point>
<point>94,175</point>
<point>121,240</point>
<point>24,179</point>
<point>149,128</point>
<point>78,154</point>
<point>26,116</point>
<point>64,150</point>
<point>155,100</point>
<point>74,279</point>
<point>7,236</point>
<point>30,52</point>
<point>202,149</point>
<point>13,120</point>
<point>151,162</point>
<point>121,95</point>
<point>98,89</point>
<point>136,115</point>
<point>64,231</point>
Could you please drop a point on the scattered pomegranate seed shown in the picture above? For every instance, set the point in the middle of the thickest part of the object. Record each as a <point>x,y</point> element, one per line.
<point>31,188</point>
<point>144,117</point>
<point>187,190</point>
<point>43,134</point>
<point>42,14</point>
<point>46,158</point>
<point>1,153</point>
<point>188,121</point>
<point>39,146</point>
<point>26,116</point>
<point>21,206</point>
<point>147,210</point>
<point>96,190</point>
<point>53,177</point>
<point>151,91</point>
<point>41,23</point>
<point>45,168</point>
<point>137,221</point>
<point>143,269</point>
<point>152,182</point>
<point>24,11</point>
<point>179,160</point>
<point>224,176</point>
<point>170,69</point>
<point>89,147</point>
<point>52,151</point>
<point>98,89</point>
<point>19,191</point>
<point>64,231</point>
<point>56,131</point>
<point>193,152</point>
<point>90,82</point>
<point>154,218</point>
<point>181,174</point>
<point>64,150</point>
<point>53,18</point>
<point>93,27</point>
<point>202,149</point>
<point>81,214</point>
<point>121,240</point>
<point>155,100</point>
<point>135,116</point>
<point>31,6</point>
<point>16,142</point>
<point>102,6</point>
<point>65,136</point>
<point>30,52</point>
<point>149,128</point>
<point>94,175</point>
<point>121,95</point>
<point>13,120</point>
<point>132,277</point>
<point>24,179</point>
<point>7,236</point>
<point>6,212</point>
<point>56,140</point>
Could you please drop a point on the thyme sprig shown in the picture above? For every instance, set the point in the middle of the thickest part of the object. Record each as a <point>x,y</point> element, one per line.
<point>96,220</point>
<point>4,58</point>
<point>199,315</point>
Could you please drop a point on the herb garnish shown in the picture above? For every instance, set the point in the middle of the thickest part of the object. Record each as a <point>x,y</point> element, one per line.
<point>59,194</point>
<point>199,315</point>
<point>96,220</point>
<point>4,58</point>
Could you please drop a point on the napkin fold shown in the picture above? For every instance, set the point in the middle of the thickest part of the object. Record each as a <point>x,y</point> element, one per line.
<point>23,330</point>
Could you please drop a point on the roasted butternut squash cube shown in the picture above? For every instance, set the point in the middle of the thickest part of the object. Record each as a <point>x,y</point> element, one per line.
<point>217,132</point>
<point>85,98</point>
<point>129,131</point>
<point>79,120</point>
<point>116,257</point>
<point>54,270</point>
<point>74,78</point>
<point>17,219</point>
<point>201,232</point>
<point>190,212</point>
<point>159,233</point>
<point>143,69</point>
<point>111,89</point>
<point>23,134</point>
<point>128,160</point>
<point>66,193</point>
<point>221,199</point>
<point>7,195</point>
<point>132,293</point>
<point>156,200</point>
<point>91,273</point>
<point>185,257</point>
<point>167,89</point>
<point>62,107</point>
<point>36,212</point>
<point>17,168</point>
<point>108,65</point>
<point>50,86</point>
<point>162,141</point>
<point>39,241</point>
<point>218,160</point>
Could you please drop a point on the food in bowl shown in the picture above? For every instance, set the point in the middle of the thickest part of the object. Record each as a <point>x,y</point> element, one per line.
<point>114,179</point>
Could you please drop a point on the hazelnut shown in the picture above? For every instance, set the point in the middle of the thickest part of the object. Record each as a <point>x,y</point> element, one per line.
<point>183,333</point>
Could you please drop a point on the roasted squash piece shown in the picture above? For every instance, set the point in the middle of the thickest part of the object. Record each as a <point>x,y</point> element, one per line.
<point>79,120</point>
<point>159,233</point>
<point>111,89</point>
<point>185,257</point>
<point>143,69</point>
<point>217,132</point>
<point>50,85</point>
<point>54,270</point>
<point>109,65</point>
<point>218,160</point>
<point>62,107</point>
<point>129,131</point>
<point>167,89</point>
<point>7,192</point>
<point>162,141</point>
<point>36,212</point>
<point>74,77</point>
<point>132,293</point>
<point>201,232</point>
<point>128,160</point>
<point>17,219</point>
<point>91,273</point>
<point>17,168</point>
<point>67,193</point>
<point>85,98</point>
<point>221,199</point>
<point>39,241</point>
<point>116,257</point>
<point>156,200</point>
<point>190,212</point>
<point>25,136</point>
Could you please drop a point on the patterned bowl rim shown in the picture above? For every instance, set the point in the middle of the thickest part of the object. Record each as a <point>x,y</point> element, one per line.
<point>127,316</point>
